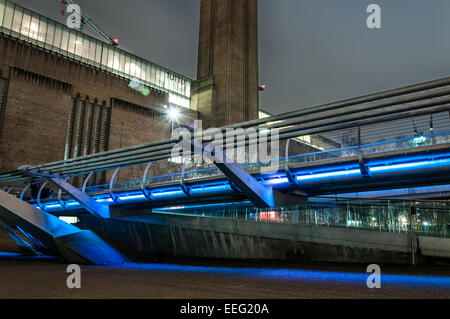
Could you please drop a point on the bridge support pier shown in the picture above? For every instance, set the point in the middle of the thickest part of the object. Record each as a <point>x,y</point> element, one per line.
<point>75,245</point>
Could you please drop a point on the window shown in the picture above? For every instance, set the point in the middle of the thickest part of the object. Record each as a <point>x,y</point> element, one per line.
<point>50,33</point>
<point>153,74</point>
<point>127,64</point>
<point>71,42</point>
<point>98,52</point>
<point>2,11</point>
<point>116,63</point>
<point>147,72</point>
<point>104,55</point>
<point>58,36</point>
<point>187,89</point>
<point>25,27</point>
<point>91,47</point>
<point>79,48</point>
<point>65,40</point>
<point>110,58</point>
<point>132,68</point>
<point>34,28</point>
<point>17,20</point>
<point>162,79</point>
<point>42,29</point>
<point>122,62</point>
<point>8,17</point>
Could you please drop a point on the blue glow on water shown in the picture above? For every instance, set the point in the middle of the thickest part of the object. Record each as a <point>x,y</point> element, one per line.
<point>9,255</point>
<point>15,256</point>
<point>298,275</point>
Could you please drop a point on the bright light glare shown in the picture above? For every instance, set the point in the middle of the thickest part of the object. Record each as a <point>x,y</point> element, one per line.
<point>173,114</point>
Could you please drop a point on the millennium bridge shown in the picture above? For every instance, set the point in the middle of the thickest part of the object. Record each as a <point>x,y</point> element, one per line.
<point>380,196</point>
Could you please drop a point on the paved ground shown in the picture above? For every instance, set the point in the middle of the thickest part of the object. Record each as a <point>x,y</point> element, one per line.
<point>46,278</point>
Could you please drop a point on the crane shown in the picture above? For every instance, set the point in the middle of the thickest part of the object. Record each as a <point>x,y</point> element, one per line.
<point>85,19</point>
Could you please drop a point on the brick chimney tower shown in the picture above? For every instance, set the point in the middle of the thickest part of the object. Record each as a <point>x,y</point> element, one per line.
<point>226,90</point>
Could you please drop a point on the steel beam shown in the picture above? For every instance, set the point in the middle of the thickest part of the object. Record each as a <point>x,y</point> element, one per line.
<point>19,241</point>
<point>260,195</point>
<point>92,206</point>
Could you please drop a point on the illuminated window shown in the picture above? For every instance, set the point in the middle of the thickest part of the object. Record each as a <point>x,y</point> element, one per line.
<point>34,29</point>
<point>69,220</point>
<point>58,36</point>
<point>2,10</point>
<point>50,33</point>
<point>42,29</point>
<point>17,20</point>
<point>8,16</point>
<point>65,40</point>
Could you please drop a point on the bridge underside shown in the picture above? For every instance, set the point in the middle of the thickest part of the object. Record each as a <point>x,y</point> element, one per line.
<point>75,245</point>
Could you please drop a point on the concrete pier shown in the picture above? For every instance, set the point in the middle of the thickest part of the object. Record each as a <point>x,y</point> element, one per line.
<point>143,237</point>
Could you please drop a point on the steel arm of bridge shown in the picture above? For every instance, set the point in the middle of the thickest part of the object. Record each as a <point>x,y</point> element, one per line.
<point>260,195</point>
<point>92,206</point>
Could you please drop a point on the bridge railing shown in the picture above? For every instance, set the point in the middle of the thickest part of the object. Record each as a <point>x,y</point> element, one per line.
<point>24,191</point>
<point>210,171</point>
<point>408,111</point>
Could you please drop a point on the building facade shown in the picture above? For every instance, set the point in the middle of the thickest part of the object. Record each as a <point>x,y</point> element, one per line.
<point>64,94</point>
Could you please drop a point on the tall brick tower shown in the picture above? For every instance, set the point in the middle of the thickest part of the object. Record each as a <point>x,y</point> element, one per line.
<point>226,90</point>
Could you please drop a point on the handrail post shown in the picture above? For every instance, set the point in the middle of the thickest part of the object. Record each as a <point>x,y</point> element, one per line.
<point>412,217</point>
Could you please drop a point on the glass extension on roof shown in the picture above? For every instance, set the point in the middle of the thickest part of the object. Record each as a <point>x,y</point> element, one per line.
<point>31,27</point>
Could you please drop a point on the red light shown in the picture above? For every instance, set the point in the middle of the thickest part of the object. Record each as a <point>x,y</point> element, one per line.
<point>268,216</point>
<point>262,87</point>
<point>115,42</point>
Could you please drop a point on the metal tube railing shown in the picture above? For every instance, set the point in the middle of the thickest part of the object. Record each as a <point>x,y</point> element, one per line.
<point>284,134</point>
<point>311,124</point>
<point>309,111</point>
<point>78,162</point>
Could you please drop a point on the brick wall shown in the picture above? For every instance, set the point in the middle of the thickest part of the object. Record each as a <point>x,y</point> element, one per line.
<point>34,122</point>
<point>59,108</point>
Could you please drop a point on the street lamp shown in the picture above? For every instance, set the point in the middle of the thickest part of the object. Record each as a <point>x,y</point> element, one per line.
<point>174,115</point>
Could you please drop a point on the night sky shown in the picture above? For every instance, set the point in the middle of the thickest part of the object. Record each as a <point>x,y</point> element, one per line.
<point>311,51</point>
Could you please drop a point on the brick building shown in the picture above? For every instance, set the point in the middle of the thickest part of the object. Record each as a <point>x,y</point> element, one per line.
<point>64,94</point>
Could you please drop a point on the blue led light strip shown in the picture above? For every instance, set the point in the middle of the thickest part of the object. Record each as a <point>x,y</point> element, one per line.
<point>376,167</point>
